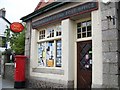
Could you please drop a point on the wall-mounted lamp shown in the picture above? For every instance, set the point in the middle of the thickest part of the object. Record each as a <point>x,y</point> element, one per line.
<point>111,18</point>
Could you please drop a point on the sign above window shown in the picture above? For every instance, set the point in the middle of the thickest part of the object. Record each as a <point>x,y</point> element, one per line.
<point>83,8</point>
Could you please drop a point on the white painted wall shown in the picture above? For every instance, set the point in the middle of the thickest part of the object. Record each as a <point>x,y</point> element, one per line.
<point>68,47</point>
<point>3,25</point>
<point>97,68</point>
<point>34,60</point>
<point>68,55</point>
<point>33,56</point>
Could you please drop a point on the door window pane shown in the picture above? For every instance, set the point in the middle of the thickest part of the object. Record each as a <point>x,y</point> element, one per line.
<point>86,57</point>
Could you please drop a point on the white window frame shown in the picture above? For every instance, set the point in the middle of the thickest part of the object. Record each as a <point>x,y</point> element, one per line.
<point>85,38</point>
<point>55,38</point>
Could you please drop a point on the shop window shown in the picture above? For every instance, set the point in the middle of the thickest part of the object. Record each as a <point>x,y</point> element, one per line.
<point>41,34</point>
<point>46,53</point>
<point>49,49</point>
<point>84,29</point>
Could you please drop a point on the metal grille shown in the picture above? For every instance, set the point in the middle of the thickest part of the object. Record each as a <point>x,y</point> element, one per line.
<point>86,57</point>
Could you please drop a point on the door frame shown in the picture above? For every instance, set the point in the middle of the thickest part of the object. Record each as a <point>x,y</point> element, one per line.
<point>79,40</point>
<point>89,73</point>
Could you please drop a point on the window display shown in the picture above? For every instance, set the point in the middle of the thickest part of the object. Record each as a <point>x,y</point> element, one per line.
<point>41,54</point>
<point>49,49</point>
<point>58,55</point>
<point>49,53</point>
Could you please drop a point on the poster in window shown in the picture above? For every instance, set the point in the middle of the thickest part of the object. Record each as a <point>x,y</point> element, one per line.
<point>58,53</point>
<point>41,54</point>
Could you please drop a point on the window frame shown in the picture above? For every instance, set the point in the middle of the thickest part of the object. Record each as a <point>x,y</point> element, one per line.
<point>83,20</point>
<point>45,40</point>
<point>84,29</point>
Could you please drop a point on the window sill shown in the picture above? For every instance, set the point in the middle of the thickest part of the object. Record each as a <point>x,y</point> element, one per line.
<point>48,71</point>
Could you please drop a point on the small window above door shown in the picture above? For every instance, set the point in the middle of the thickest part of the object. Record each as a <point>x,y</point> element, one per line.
<point>84,29</point>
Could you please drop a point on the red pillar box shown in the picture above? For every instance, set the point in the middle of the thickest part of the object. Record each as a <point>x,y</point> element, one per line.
<point>19,76</point>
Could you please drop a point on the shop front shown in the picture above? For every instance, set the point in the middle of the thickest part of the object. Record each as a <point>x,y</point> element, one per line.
<point>64,42</point>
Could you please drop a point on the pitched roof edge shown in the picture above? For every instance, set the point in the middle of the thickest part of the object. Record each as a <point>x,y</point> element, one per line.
<point>38,6</point>
<point>49,7</point>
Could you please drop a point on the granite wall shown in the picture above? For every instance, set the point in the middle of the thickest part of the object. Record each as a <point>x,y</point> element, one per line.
<point>110,45</point>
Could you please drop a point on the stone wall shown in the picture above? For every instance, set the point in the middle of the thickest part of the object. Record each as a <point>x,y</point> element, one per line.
<point>9,71</point>
<point>110,44</point>
<point>110,52</point>
<point>27,48</point>
<point>119,42</point>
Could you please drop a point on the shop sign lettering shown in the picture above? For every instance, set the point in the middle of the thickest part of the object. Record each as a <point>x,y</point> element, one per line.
<point>83,8</point>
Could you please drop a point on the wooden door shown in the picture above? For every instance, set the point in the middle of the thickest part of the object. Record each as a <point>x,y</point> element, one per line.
<point>84,64</point>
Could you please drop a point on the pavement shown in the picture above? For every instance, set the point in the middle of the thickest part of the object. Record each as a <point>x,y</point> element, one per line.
<point>6,84</point>
<point>9,85</point>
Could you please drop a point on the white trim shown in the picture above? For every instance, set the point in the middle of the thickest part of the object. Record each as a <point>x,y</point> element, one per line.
<point>52,27</point>
<point>97,68</point>
<point>54,53</point>
<point>83,19</point>
<point>75,77</point>
<point>59,68</point>
<point>80,40</point>
<point>84,39</point>
<point>49,39</point>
